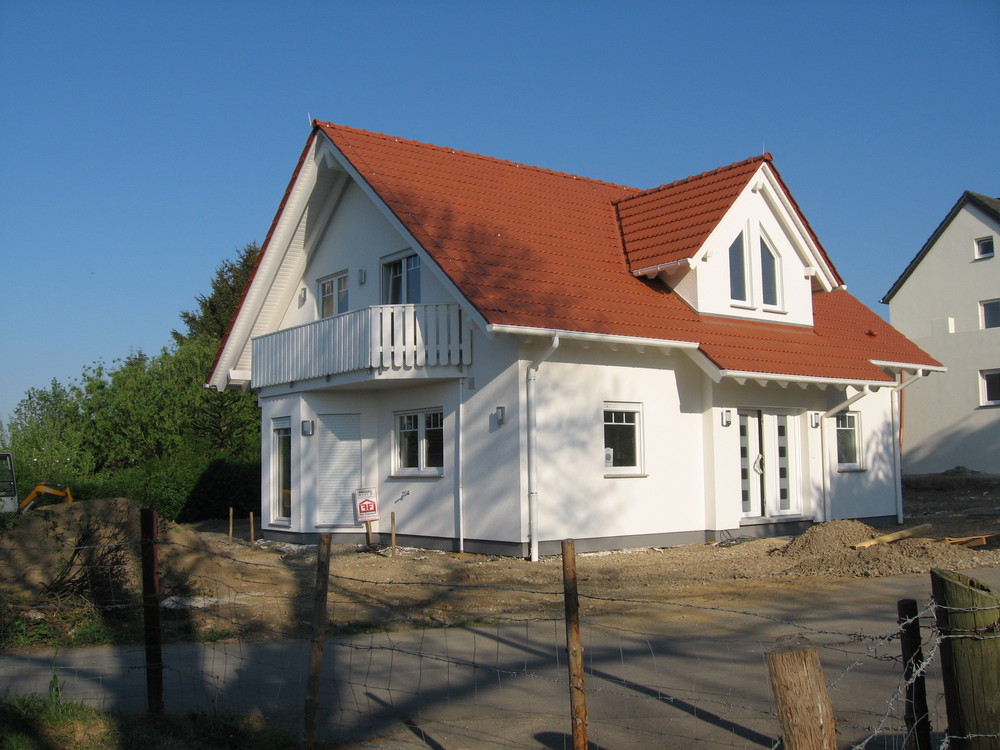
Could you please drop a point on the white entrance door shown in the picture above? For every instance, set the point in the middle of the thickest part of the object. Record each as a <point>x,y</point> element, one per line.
<point>767,480</point>
<point>339,468</point>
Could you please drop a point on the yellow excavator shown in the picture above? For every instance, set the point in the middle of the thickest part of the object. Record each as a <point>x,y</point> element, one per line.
<point>8,488</point>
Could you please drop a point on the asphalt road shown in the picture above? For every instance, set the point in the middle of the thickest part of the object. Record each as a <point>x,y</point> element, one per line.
<point>650,682</point>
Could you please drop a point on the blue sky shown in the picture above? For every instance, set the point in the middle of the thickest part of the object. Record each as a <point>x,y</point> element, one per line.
<point>143,143</point>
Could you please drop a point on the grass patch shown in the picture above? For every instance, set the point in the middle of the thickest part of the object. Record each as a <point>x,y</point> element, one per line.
<point>47,722</point>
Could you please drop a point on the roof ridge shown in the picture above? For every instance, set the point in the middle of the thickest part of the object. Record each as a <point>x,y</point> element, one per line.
<point>762,158</point>
<point>473,154</point>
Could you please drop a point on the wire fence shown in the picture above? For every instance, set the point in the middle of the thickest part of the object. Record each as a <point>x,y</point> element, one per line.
<point>656,673</point>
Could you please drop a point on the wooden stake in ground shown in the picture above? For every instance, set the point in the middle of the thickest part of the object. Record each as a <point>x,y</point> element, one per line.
<point>230,524</point>
<point>318,637</point>
<point>574,648</point>
<point>251,529</point>
<point>905,533</point>
<point>801,697</point>
<point>968,619</point>
<point>149,530</point>
<point>392,518</point>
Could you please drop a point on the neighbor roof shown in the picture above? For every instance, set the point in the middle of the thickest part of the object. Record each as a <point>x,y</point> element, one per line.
<point>533,248</point>
<point>990,206</point>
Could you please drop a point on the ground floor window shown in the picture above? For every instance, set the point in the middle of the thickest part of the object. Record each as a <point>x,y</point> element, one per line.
<point>622,438</point>
<point>990,387</point>
<point>420,442</point>
<point>281,469</point>
<point>848,441</point>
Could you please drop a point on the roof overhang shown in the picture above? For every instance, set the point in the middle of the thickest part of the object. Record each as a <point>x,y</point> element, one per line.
<point>613,341</point>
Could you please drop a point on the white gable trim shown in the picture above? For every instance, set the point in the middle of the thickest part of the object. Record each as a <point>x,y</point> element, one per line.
<point>330,150</point>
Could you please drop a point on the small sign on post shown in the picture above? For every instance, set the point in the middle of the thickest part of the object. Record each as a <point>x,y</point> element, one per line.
<point>366,504</point>
<point>366,508</point>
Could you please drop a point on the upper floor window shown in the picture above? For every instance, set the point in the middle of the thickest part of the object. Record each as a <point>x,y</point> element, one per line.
<point>768,275</point>
<point>738,271</point>
<point>991,313</point>
<point>984,247</point>
<point>989,387</point>
<point>401,281</point>
<point>333,295</point>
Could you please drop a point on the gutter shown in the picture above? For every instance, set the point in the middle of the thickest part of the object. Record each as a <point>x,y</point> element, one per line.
<point>530,377</point>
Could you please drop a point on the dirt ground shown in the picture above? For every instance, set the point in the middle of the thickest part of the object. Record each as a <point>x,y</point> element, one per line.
<point>268,590</point>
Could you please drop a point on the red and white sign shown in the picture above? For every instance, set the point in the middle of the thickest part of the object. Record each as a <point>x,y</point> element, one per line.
<point>366,504</point>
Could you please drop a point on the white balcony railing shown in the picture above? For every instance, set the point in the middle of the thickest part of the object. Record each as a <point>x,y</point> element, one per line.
<point>387,337</point>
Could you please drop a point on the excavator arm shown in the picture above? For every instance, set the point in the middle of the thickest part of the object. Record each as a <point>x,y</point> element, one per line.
<point>45,489</point>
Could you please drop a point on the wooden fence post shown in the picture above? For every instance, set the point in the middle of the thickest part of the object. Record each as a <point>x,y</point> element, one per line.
<point>392,517</point>
<point>801,697</point>
<point>574,649</point>
<point>318,637</point>
<point>968,620</point>
<point>918,723</point>
<point>149,530</point>
<point>251,531</point>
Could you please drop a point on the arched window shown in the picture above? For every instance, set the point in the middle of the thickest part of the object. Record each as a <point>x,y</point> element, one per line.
<point>768,274</point>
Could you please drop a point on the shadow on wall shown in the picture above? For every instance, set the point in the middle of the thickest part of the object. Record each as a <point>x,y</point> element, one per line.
<point>977,448</point>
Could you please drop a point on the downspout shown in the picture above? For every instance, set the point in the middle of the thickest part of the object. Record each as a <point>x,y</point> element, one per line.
<point>897,439</point>
<point>824,457</point>
<point>530,376</point>
<point>459,466</point>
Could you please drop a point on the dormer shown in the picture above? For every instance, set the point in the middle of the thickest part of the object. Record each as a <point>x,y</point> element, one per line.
<point>729,242</point>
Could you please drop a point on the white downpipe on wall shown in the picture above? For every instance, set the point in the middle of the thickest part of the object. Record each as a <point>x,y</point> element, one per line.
<point>459,466</point>
<point>897,440</point>
<point>824,455</point>
<point>530,376</point>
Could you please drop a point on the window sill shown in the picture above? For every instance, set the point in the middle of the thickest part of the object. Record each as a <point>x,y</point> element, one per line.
<point>280,523</point>
<point>851,469</point>
<point>416,475</point>
<point>625,475</point>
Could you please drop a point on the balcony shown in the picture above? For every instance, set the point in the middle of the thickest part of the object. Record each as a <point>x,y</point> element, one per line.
<point>396,338</point>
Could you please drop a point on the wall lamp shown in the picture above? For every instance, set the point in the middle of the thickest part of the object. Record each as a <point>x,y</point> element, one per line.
<point>727,417</point>
<point>814,419</point>
<point>307,427</point>
<point>500,414</point>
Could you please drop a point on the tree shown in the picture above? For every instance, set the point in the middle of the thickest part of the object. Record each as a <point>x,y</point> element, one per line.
<point>215,310</point>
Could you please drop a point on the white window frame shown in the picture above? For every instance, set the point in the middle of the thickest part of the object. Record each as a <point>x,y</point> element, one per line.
<point>744,262</point>
<point>980,247</point>
<point>993,303</point>
<point>421,418</point>
<point>281,433</point>
<point>855,429</point>
<point>626,410</point>
<point>409,270</point>
<point>765,244</point>
<point>984,377</point>
<point>335,290</point>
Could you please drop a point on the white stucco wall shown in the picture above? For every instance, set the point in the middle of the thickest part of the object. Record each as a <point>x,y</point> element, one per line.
<point>938,308</point>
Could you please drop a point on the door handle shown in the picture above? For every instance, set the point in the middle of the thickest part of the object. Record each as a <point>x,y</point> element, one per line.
<point>758,464</point>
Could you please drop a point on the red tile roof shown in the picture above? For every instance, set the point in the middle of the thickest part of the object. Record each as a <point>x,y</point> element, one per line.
<point>542,249</point>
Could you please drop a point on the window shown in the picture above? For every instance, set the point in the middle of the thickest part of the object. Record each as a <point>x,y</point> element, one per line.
<point>984,247</point>
<point>768,274</point>
<point>281,469</point>
<point>420,443</point>
<point>333,296</point>
<point>401,281</point>
<point>991,313</point>
<point>622,438</point>
<point>738,271</point>
<point>848,441</point>
<point>990,388</point>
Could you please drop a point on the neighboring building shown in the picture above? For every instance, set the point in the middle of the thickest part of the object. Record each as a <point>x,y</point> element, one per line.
<point>948,302</point>
<point>507,356</point>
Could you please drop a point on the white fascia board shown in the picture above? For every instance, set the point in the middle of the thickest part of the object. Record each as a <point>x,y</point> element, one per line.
<point>249,319</point>
<point>597,338</point>
<point>329,149</point>
<point>670,268</point>
<point>907,366</point>
<point>804,379</point>
<point>767,186</point>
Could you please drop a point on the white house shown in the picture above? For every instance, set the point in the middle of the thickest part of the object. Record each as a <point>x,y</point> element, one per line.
<point>506,356</point>
<point>948,301</point>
